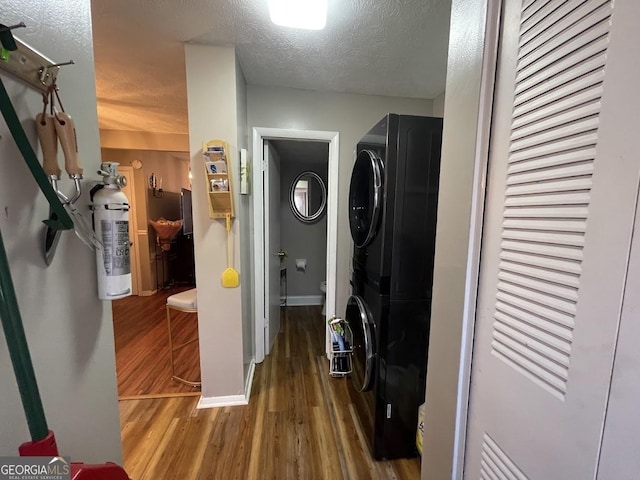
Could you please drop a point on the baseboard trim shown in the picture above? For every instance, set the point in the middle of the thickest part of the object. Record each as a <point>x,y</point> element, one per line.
<point>225,401</point>
<point>230,400</point>
<point>303,300</point>
<point>249,381</point>
<point>148,396</point>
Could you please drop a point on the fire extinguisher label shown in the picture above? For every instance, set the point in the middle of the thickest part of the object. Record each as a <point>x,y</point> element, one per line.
<point>115,238</point>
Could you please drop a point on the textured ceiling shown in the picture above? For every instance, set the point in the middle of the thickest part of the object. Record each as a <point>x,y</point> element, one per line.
<point>378,47</point>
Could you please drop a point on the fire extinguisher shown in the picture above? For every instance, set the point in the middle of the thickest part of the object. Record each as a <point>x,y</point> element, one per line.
<point>111,223</point>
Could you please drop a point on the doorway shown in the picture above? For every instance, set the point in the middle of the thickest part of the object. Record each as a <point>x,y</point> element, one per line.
<point>263,259</point>
<point>298,211</point>
<point>139,321</point>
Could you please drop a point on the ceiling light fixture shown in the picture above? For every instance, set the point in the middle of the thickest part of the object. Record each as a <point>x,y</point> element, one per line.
<point>305,14</point>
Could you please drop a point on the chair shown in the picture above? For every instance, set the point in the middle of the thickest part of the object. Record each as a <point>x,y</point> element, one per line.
<point>182,302</point>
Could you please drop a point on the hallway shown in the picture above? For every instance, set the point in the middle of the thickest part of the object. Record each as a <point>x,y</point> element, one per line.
<point>299,424</point>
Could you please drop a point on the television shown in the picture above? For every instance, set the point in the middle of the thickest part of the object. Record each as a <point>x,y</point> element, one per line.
<point>186,212</point>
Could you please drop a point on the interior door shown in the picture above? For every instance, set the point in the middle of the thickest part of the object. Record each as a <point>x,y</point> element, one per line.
<point>561,195</point>
<point>272,245</point>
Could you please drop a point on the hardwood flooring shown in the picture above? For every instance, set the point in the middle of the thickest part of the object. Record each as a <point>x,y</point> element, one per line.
<point>142,347</point>
<point>299,424</point>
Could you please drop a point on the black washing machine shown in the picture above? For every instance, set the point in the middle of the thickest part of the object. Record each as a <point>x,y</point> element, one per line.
<point>392,213</point>
<point>393,199</point>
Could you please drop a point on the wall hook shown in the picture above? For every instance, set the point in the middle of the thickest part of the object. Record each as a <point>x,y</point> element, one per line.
<point>70,62</point>
<point>25,63</point>
<point>4,28</point>
<point>6,37</point>
<point>46,77</point>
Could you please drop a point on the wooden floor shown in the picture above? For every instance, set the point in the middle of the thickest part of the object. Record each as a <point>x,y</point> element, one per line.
<point>299,424</point>
<point>142,346</point>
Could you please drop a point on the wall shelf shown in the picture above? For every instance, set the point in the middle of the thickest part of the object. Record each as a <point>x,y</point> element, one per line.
<point>217,167</point>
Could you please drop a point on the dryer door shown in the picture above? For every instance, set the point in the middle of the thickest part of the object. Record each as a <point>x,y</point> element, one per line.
<point>365,197</point>
<point>364,350</point>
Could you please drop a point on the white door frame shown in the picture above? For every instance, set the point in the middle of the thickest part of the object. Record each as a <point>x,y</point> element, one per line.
<point>127,171</point>
<point>489,41</point>
<point>259,135</point>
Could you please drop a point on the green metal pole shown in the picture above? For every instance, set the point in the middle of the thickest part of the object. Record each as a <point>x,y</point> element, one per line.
<point>19,351</point>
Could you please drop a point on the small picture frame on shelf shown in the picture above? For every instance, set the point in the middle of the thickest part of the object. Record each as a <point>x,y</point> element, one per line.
<point>211,167</point>
<point>219,185</point>
<point>219,166</point>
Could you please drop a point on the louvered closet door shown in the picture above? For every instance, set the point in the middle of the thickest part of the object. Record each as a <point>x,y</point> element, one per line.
<point>562,187</point>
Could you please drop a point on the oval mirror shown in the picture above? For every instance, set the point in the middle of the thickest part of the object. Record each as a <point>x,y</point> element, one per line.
<point>308,197</point>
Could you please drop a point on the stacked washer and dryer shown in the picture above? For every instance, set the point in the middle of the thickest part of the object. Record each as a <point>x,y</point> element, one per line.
<point>393,200</point>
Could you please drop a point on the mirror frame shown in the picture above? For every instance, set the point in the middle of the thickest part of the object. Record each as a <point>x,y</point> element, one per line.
<point>292,191</point>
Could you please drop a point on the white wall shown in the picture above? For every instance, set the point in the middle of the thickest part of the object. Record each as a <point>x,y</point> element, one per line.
<point>69,330</point>
<point>350,115</point>
<point>245,213</point>
<point>462,129</point>
<point>438,105</point>
<point>213,114</point>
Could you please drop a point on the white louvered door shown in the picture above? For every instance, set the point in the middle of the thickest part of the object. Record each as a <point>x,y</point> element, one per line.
<point>562,188</point>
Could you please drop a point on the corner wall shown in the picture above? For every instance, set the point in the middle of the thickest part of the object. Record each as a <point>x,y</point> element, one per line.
<point>213,114</point>
<point>455,268</point>
<point>438,105</point>
<point>69,330</point>
<point>245,208</point>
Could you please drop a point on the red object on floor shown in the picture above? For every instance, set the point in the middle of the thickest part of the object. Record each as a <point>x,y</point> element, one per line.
<point>105,471</point>
<point>46,447</point>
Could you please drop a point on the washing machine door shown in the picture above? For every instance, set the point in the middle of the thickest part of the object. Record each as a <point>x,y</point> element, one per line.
<point>365,197</point>
<point>359,318</point>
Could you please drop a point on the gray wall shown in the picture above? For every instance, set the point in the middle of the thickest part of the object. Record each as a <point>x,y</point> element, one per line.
<point>350,115</point>
<point>302,240</point>
<point>69,330</point>
<point>245,211</point>
<point>453,266</point>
